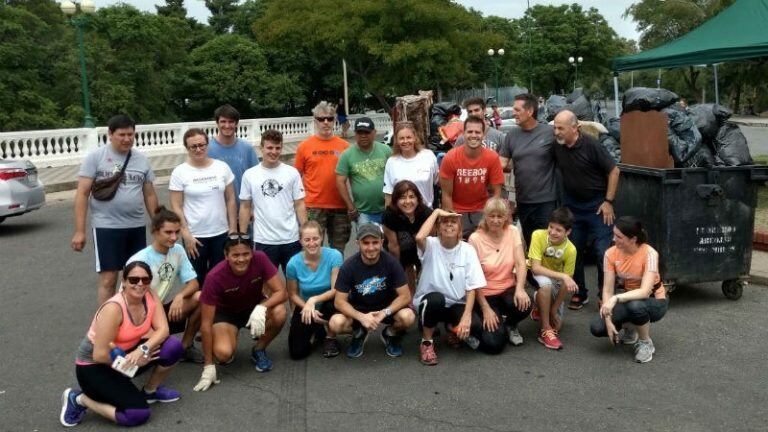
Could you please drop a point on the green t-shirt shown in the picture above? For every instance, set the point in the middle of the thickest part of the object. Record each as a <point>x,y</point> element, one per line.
<point>365,172</point>
<point>563,258</point>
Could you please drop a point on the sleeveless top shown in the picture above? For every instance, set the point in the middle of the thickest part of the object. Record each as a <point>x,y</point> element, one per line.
<point>128,334</point>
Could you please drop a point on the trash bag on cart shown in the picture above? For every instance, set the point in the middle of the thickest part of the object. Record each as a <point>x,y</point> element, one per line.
<point>555,104</point>
<point>647,99</point>
<point>731,146</point>
<point>709,118</point>
<point>683,135</point>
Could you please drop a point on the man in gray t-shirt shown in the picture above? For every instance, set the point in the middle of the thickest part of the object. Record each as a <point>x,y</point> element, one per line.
<point>493,138</point>
<point>531,149</point>
<point>118,224</point>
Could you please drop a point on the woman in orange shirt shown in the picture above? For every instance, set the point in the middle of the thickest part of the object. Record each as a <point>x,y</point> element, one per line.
<point>500,249</point>
<point>632,267</point>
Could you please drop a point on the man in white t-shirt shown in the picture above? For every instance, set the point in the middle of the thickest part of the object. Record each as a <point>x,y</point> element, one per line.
<point>274,193</point>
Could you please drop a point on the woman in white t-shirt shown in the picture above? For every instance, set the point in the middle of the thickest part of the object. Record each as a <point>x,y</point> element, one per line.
<point>411,161</point>
<point>450,274</point>
<point>203,195</point>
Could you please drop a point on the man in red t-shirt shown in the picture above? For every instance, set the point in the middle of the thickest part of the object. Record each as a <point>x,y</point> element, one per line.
<point>467,173</point>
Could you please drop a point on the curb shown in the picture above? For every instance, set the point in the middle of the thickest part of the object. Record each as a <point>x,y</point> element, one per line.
<point>746,122</point>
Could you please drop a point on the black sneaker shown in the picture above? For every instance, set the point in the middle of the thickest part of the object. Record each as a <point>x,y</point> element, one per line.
<point>330,347</point>
<point>391,343</point>
<point>356,346</point>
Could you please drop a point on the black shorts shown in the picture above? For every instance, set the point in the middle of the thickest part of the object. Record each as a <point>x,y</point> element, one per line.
<point>174,326</point>
<point>113,246</point>
<point>386,321</point>
<point>279,254</point>
<point>237,319</point>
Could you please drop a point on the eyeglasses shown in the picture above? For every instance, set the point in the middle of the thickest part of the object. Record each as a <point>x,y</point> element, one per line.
<point>197,146</point>
<point>329,119</point>
<point>145,280</point>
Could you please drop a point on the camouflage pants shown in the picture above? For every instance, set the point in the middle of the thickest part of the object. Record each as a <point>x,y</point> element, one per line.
<point>335,223</point>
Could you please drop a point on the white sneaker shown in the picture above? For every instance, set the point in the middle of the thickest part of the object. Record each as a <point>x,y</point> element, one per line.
<point>644,350</point>
<point>515,338</point>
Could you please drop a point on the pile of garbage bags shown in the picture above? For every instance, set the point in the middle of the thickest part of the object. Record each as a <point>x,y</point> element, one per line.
<point>444,123</point>
<point>576,102</point>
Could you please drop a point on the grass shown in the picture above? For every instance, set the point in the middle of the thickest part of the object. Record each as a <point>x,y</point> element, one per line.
<point>761,212</point>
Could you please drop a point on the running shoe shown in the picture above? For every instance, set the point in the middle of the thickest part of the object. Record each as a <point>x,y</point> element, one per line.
<point>392,344</point>
<point>162,394</point>
<point>357,344</point>
<point>577,302</point>
<point>330,347</point>
<point>72,413</point>
<point>535,315</point>
<point>193,355</point>
<point>515,338</point>
<point>427,353</point>
<point>260,360</point>
<point>628,336</point>
<point>644,350</point>
<point>550,340</point>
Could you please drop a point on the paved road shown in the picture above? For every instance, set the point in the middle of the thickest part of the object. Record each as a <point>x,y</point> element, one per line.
<point>708,373</point>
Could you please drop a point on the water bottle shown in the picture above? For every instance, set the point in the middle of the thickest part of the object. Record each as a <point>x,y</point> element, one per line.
<point>115,351</point>
<point>473,342</point>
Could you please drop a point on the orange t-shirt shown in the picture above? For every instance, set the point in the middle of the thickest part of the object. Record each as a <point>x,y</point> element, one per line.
<point>497,259</point>
<point>471,177</point>
<point>316,161</point>
<point>629,269</point>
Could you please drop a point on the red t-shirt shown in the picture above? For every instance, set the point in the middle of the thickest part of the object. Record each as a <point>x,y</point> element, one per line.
<point>471,177</point>
<point>316,161</point>
<point>233,294</point>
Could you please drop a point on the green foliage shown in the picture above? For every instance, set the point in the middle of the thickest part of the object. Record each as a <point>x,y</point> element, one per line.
<point>221,14</point>
<point>172,8</point>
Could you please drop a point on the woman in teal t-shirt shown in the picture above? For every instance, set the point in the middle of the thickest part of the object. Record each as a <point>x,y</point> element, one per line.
<point>310,277</point>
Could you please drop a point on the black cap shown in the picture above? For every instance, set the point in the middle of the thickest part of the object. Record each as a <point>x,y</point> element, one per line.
<point>364,124</point>
<point>369,229</point>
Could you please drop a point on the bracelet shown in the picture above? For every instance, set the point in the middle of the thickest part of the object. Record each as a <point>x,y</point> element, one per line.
<point>609,201</point>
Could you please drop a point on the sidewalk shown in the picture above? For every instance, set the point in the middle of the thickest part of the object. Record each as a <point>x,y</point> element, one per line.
<point>753,121</point>
<point>758,275</point>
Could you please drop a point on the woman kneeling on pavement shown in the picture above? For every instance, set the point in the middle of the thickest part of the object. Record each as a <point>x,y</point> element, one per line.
<point>131,325</point>
<point>450,275</point>
<point>500,250</point>
<point>310,277</point>
<point>639,297</point>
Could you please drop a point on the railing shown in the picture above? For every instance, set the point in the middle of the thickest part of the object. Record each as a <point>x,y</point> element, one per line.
<point>60,147</point>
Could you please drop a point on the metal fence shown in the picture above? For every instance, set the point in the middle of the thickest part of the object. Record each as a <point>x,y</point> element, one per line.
<point>506,95</point>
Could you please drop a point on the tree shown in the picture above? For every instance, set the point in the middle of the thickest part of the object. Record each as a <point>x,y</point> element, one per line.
<point>172,8</point>
<point>221,14</point>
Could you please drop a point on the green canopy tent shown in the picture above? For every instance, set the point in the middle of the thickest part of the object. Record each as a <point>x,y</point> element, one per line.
<point>737,33</point>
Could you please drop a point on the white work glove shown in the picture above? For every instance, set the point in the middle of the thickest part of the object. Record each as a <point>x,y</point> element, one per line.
<point>207,379</point>
<point>257,321</point>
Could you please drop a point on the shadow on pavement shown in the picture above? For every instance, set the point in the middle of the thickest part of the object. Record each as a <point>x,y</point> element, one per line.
<point>8,228</point>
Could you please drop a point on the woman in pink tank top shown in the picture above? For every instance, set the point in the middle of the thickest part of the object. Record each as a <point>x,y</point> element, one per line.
<point>130,321</point>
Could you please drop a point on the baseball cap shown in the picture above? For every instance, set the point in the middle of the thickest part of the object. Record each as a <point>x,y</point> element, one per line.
<point>369,229</point>
<point>364,124</point>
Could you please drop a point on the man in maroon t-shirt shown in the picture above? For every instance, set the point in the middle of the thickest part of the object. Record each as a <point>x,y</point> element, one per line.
<point>233,297</point>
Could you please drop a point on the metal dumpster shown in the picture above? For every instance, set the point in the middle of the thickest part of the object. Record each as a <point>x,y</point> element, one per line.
<point>701,221</point>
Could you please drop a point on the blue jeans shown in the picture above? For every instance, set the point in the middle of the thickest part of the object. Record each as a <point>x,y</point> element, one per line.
<point>587,223</point>
<point>364,218</point>
<point>533,217</point>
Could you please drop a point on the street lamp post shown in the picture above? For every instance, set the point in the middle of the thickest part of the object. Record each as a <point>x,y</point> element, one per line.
<point>575,62</point>
<point>78,17</point>
<point>498,53</point>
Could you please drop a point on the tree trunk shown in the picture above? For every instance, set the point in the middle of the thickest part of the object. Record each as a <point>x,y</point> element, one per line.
<point>383,101</point>
<point>690,76</point>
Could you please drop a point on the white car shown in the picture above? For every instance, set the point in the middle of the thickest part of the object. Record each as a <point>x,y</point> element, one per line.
<point>20,189</point>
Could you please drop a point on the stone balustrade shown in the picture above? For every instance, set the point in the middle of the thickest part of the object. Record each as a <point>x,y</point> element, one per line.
<point>62,147</point>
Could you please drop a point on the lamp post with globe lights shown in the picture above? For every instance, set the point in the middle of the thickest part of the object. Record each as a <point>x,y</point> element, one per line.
<point>496,54</point>
<point>77,14</point>
<point>575,62</point>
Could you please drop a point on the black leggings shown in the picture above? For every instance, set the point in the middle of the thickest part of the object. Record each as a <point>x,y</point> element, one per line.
<point>432,311</point>
<point>493,342</point>
<point>300,334</point>
<point>637,312</point>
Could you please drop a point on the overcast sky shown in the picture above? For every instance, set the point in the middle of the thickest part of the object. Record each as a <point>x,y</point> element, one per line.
<point>610,9</point>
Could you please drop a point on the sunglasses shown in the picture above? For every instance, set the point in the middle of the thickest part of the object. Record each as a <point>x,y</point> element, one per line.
<point>197,146</point>
<point>145,280</point>
<point>330,119</point>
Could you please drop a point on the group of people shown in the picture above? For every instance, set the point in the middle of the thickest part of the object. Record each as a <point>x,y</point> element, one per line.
<point>460,260</point>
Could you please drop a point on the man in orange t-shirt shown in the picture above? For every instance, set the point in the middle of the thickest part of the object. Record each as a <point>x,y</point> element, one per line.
<point>467,173</point>
<point>316,160</point>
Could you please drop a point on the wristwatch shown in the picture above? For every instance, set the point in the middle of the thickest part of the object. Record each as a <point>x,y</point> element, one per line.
<point>388,312</point>
<point>144,350</point>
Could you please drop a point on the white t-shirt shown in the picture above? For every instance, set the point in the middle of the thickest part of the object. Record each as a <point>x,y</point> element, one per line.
<point>203,188</point>
<point>421,169</point>
<point>272,192</point>
<point>437,266</point>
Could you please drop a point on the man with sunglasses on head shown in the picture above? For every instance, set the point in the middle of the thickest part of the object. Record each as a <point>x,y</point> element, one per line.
<point>244,290</point>
<point>316,160</point>
<point>362,165</point>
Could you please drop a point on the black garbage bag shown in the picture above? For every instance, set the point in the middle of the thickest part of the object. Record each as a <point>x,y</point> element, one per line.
<point>612,146</point>
<point>647,99</point>
<point>709,118</point>
<point>439,116</point>
<point>703,158</point>
<point>731,146</point>
<point>555,104</point>
<point>614,128</point>
<point>582,107</point>
<point>579,92</point>
<point>683,135</point>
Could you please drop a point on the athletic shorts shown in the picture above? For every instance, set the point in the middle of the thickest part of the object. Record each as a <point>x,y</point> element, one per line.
<point>237,319</point>
<point>113,246</point>
<point>544,281</point>
<point>174,326</point>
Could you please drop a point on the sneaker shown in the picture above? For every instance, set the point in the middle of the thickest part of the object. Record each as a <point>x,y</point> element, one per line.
<point>452,339</point>
<point>356,346</point>
<point>427,353</point>
<point>260,360</point>
<point>330,347</point>
<point>392,344</point>
<point>644,351</point>
<point>193,355</point>
<point>535,315</point>
<point>628,336</point>
<point>515,338</point>
<point>72,413</point>
<point>162,394</point>
<point>550,340</point>
<point>577,302</point>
